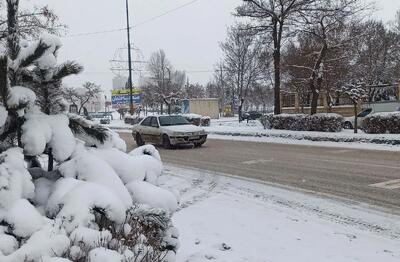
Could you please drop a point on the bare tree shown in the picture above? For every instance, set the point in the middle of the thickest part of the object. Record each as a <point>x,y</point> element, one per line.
<point>376,51</point>
<point>325,25</point>
<point>31,22</point>
<point>166,82</point>
<point>81,96</point>
<point>194,90</point>
<point>276,18</point>
<point>241,62</point>
<point>219,87</point>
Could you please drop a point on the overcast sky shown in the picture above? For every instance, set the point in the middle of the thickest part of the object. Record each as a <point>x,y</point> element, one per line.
<point>190,35</point>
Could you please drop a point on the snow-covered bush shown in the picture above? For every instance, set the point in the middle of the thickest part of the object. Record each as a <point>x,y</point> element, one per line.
<point>302,122</point>
<point>381,123</point>
<point>68,190</point>
<point>198,120</point>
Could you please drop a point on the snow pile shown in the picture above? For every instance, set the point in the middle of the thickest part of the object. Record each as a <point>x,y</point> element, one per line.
<point>15,180</point>
<point>146,150</point>
<point>96,210</point>
<point>198,120</point>
<point>146,193</point>
<point>48,60</point>
<point>87,167</point>
<point>41,131</point>
<point>20,97</point>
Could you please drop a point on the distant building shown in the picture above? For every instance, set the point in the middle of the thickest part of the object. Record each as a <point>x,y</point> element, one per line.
<point>293,103</point>
<point>119,82</point>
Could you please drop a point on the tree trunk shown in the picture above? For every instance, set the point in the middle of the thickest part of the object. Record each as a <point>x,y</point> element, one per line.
<point>314,101</point>
<point>50,166</point>
<point>316,79</point>
<point>277,36</point>
<point>240,113</point>
<point>355,118</point>
<point>277,84</point>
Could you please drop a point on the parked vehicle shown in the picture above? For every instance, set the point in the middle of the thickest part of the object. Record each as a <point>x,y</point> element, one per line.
<point>349,121</point>
<point>251,115</point>
<point>371,108</point>
<point>99,116</point>
<point>106,120</point>
<point>169,131</point>
<point>132,120</point>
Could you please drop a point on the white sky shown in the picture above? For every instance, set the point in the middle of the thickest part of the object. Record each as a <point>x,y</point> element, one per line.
<point>190,36</point>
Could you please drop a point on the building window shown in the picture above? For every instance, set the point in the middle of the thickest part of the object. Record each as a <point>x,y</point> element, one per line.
<point>289,100</point>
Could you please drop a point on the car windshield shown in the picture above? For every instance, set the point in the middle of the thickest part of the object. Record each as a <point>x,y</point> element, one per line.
<point>365,113</point>
<point>173,121</point>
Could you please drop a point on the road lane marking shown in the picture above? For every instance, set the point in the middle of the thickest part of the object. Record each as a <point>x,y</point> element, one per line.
<point>343,151</point>
<point>391,184</point>
<point>257,161</point>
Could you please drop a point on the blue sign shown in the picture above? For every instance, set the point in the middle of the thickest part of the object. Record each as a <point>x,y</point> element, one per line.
<point>122,101</point>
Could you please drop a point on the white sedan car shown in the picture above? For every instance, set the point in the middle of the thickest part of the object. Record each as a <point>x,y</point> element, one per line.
<point>168,131</point>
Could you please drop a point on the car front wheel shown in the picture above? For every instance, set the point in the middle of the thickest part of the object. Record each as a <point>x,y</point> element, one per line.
<point>348,125</point>
<point>197,145</point>
<point>139,140</point>
<point>166,142</point>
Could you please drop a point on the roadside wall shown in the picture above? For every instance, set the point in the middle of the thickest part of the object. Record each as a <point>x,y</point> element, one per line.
<point>205,107</point>
<point>341,110</point>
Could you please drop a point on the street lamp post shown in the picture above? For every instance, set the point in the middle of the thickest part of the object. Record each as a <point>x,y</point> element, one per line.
<point>129,59</point>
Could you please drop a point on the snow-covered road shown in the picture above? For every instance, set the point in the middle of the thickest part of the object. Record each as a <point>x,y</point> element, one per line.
<point>229,219</point>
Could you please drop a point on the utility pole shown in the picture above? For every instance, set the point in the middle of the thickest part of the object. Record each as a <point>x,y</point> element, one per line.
<point>129,59</point>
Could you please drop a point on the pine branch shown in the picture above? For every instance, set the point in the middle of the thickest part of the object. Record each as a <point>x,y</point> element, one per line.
<point>66,69</point>
<point>26,75</point>
<point>83,128</point>
<point>36,54</point>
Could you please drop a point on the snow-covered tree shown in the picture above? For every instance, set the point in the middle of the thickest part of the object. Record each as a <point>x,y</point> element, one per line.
<point>89,207</point>
<point>356,93</point>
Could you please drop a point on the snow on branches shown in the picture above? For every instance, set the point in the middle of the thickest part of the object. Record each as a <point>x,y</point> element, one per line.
<point>355,92</point>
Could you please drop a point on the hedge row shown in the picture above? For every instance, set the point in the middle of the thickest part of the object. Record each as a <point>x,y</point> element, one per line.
<point>381,123</point>
<point>198,120</point>
<point>302,122</point>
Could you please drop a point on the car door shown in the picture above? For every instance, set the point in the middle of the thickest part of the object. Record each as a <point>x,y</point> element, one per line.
<point>361,116</point>
<point>143,129</point>
<point>154,130</point>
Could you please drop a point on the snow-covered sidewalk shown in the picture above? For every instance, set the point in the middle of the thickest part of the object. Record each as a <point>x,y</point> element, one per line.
<point>229,219</point>
<point>230,129</point>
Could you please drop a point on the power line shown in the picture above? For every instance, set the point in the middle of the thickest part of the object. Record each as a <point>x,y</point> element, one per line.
<point>146,71</point>
<point>95,33</point>
<point>134,26</point>
<point>164,14</point>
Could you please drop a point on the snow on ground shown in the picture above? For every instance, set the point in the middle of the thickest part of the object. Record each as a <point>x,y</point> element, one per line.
<point>228,219</point>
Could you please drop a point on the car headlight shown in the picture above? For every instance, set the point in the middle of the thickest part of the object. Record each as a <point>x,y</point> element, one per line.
<point>179,134</point>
